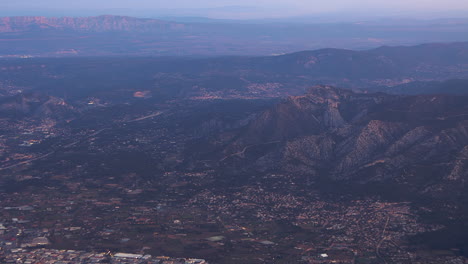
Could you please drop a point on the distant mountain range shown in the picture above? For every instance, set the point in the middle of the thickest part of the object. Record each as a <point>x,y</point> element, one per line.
<point>128,36</point>
<point>85,24</point>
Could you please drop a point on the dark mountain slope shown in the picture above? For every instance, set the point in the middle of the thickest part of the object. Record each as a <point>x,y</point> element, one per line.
<point>238,77</point>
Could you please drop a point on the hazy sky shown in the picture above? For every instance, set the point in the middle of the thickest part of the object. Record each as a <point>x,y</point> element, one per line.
<point>263,8</point>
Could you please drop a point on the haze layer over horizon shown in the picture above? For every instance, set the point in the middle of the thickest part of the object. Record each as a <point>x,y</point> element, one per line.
<point>239,9</point>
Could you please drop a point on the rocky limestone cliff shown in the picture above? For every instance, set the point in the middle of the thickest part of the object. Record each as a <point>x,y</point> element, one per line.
<point>419,142</point>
